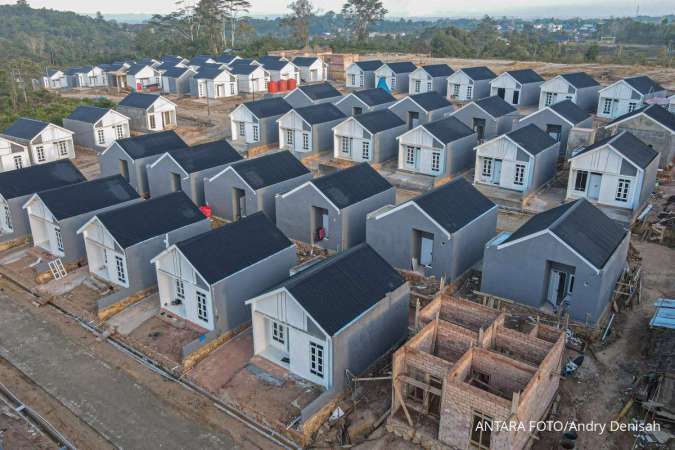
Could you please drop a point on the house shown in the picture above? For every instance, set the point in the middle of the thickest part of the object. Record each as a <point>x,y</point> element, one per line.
<point>251,78</point>
<point>149,62</point>
<point>28,141</point>
<point>17,186</point>
<point>440,233</point>
<point>312,94</point>
<point>206,279</point>
<point>671,104</point>
<point>365,100</point>
<point>280,69</point>
<point>96,128</point>
<point>213,81</point>
<point>654,126</point>
<point>330,211</point>
<point>618,172</point>
<point>368,137</point>
<point>176,80</point>
<point>312,68</point>
<point>361,74</point>
<point>121,242</point>
<point>315,323</point>
<point>54,79</point>
<point>249,186</point>
<point>56,214</point>
<point>578,87</point>
<point>557,120</point>
<point>116,74</point>
<point>175,60</point>
<point>130,157</point>
<point>394,76</point>
<point>432,77</point>
<point>226,59</point>
<point>143,76</point>
<point>185,169</point>
<point>521,160</point>
<point>87,76</point>
<point>489,117</point>
<point>308,130</point>
<point>422,108</point>
<point>255,123</point>
<point>148,112</point>
<point>442,148</point>
<point>627,95</point>
<point>470,83</point>
<point>568,257</point>
<point>201,60</point>
<point>517,87</point>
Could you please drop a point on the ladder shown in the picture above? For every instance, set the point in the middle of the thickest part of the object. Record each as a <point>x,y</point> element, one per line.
<point>57,269</point>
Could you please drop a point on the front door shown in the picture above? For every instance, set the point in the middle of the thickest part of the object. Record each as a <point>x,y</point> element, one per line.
<point>220,90</point>
<point>426,250</point>
<point>497,171</point>
<point>238,203</point>
<point>559,286</point>
<point>479,128</point>
<point>516,97</point>
<point>413,119</point>
<point>501,92</point>
<point>554,131</point>
<point>594,186</point>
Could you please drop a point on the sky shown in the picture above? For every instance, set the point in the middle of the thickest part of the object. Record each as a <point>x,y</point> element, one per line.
<point>402,8</point>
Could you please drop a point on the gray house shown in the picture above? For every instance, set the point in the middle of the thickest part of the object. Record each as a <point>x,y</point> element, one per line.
<point>442,232</point>
<point>96,128</point>
<point>17,186</point>
<point>394,76</point>
<point>470,83</point>
<point>249,186</point>
<point>518,87</point>
<point>308,130</point>
<point>441,148</point>
<point>56,214</point>
<point>330,211</point>
<point>365,100</point>
<point>255,123</point>
<point>368,137</point>
<point>129,157</point>
<point>342,314</point>
<point>627,95</point>
<point>557,120</point>
<point>186,169</point>
<point>206,279</point>
<point>653,125</point>
<point>121,242</point>
<point>213,81</point>
<point>312,68</point>
<point>312,94</point>
<point>422,108</point>
<point>488,117</point>
<point>148,112</point>
<point>432,77</point>
<point>116,74</point>
<point>361,74</point>
<point>176,80</point>
<point>578,87</point>
<point>568,257</point>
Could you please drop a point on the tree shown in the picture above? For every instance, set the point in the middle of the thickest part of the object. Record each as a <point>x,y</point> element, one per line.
<point>592,52</point>
<point>23,3</point>
<point>232,9</point>
<point>362,13</point>
<point>298,20</point>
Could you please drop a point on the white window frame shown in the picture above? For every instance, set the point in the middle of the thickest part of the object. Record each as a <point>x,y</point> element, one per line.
<point>180,290</point>
<point>436,162</point>
<point>607,106</point>
<point>119,131</point>
<point>352,77</point>
<point>455,90</point>
<point>202,308</point>
<point>152,122</point>
<point>305,141</point>
<point>418,86</point>
<point>256,133</point>
<point>549,97</point>
<point>7,225</point>
<point>519,175</point>
<point>393,81</point>
<point>486,167</point>
<point>469,92</point>
<point>279,332</point>
<point>242,128</point>
<point>410,152</point>
<point>361,80</point>
<point>345,145</point>
<point>290,135</point>
<point>622,190</point>
<point>63,147</point>
<point>316,359</point>
<point>40,153</point>
<point>59,239</point>
<point>120,269</point>
<point>365,150</point>
<point>100,136</point>
<point>18,161</point>
<point>430,86</point>
<point>632,106</point>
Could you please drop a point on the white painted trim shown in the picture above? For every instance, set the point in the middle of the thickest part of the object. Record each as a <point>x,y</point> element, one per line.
<point>544,109</point>
<point>424,129</point>
<point>175,247</point>
<point>641,113</point>
<point>235,172</point>
<point>424,213</point>
<point>619,82</point>
<point>310,183</point>
<point>168,155</point>
<point>71,133</point>
<point>611,147</point>
<point>294,112</point>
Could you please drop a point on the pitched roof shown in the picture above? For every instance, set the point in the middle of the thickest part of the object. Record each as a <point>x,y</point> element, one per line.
<point>479,73</point>
<point>629,146</point>
<point>224,58</point>
<point>580,225</point>
<point>380,120</point>
<point>369,65</point>
<point>139,100</point>
<point>430,101</point>
<point>269,58</point>
<point>224,251</point>
<point>242,69</point>
<point>643,84</point>
<point>268,107</point>
<point>135,68</point>
<point>75,199</point>
<point>151,144</point>
<point>495,106</point>
<point>580,79</point>
<point>76,70</point>
<point>199,60</point>
<point>448,129</point>
<point>531,138</point>
<point>269,169</point>
<point>32,179</point>
<point>320,91</point>
<point>348,186</point>
<point>208,72</point>
<point>89,114</point>
<point>25,128</point>
<point>176,72</point>
<point>454,205</point>
<point>304,61</point>
<point>274,64</point>
<point>570,111</point>
<point>374,96</point>
<point>323,112</point>
<point>655,112</point>
<point>205,156</point>
<point>401,67</point>
<point>438,70</point>
<point>129,224</point>
<point>525,76</point>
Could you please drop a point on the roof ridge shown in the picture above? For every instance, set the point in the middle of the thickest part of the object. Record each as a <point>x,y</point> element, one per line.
<point>575,204</point>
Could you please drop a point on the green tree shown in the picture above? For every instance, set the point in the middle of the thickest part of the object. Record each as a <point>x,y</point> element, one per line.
<point>592,52</point>
<point>298,20</point>
<point>362,13</point>
<point>233,10</point>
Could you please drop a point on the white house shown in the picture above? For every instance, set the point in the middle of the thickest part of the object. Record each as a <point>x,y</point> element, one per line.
<point>255,123</point>
<point>432,77</point>
<point>517,87</point>
<point>213,82</point>
<point>143,76</point>
<point>470,83</point>
<point>627,95</point>
<point>281,69</point>
<point>148,112</point>
<point>96,128</point>
<point>87,76</point>
<point>312,68</point>
<point>361,74</point>
<point>578,87</point>
<point>54,79</point>
<point>250,77</point>
<point>394,75</point>
<point>369,137</point>
<point>617,172</point>
<point>30,141</point>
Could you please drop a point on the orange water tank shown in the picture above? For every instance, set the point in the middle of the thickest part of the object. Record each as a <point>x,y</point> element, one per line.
<point>283,85</point>
<point>292,83</point>
<point>273,86</point>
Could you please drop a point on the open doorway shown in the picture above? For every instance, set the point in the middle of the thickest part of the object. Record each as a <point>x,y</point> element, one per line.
<point>124,169</point>
<point>413,119</point>
<point>560,284</point>
<point>320,224</point>
<point>175,182</point>
<point>422,249</point>
<point>501,92</point>
<point>238,203</point>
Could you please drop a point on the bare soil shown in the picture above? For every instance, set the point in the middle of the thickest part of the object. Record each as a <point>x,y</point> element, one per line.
<point>164,338</point>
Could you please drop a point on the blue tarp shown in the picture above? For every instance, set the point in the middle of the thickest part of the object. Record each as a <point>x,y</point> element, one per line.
<point>664,317</point>
<point>382,84</point>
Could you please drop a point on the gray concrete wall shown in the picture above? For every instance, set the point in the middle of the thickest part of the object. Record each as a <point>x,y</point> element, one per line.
<point>471,111</point>
<point>20,222</point>
<point>651,134</point>
<point>266,195</point>
<point>297,99</point>
<point>587,98</point>
<point>159,178</point>
<point>109,162</point>
<point>545,164</point>
<point>648,183</point>
<point>354,217</point>
<point>529,94</point>
<point>403,108</point>
<point>138,117</point>
<point>385,145</point>
<point>218,195</point>
<point>460,155</point>
<point>543,119</point>
<point>84,132</point>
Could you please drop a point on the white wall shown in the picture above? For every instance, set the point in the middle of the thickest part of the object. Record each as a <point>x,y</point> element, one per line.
<point>504,149</point>
<point>419,137</point>
<point>350,128</point>
<point>242,114</point>
<point>463,80</point>
<point>621,94</point>
<point>426,83</point>
<point>292,121</point>
<point>360,78</point>
<point>559,87</point>
<point>49,139</point>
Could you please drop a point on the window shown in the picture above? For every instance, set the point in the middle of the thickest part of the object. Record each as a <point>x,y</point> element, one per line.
<point>202,89</point>
<point>469,92</point>
<point>430,86</point>
<point>345,146</point>
<point>119,266</point>
<point>487,167</point>
<point>361,79</point>
<point>7,216</point>
<point>519,178</point>
<point>418,86</point>
<point>256,133</point>
<point>242,129</point>
<point>632,106</point>
<point>581,181</point>
<point>316,359</point>
<point>393,81</point>
<point>365,150</point>
<point>279,333</point>
<point>40,151</point>
<point>570,288</point>
<point>516,97</point>
<point>232,92</point>
<point>410,155</point>
<point>622,190</point>
<point>455,90</point>
<point>289,138</point>
<point>119,131</point>
<point>481,430</point>
<point>63,148</point>
<point>59,239</point>
<point>180,290</point>
<point>100,136</point>
<point>435,162</point>
<point>151,117</point>
<point>18,162</point>
<point>202,313</point>
<point>607,106</point>
<point>352,77</point>
<point>305,141</point>
<point>549,98</point>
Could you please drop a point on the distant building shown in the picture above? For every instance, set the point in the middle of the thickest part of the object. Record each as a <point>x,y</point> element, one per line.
<point>96,128</point>
<point>148,112</point>
<point>517,87</point>
<point>470,83</point>
<point>29,142</point>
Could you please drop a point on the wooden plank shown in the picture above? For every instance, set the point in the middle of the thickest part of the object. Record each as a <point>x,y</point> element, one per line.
<point>419,384</point>
<point>397,392</point>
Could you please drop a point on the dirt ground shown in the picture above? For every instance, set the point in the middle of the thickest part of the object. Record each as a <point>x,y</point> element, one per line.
<point>17,434</point>
<point>164,338</point>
